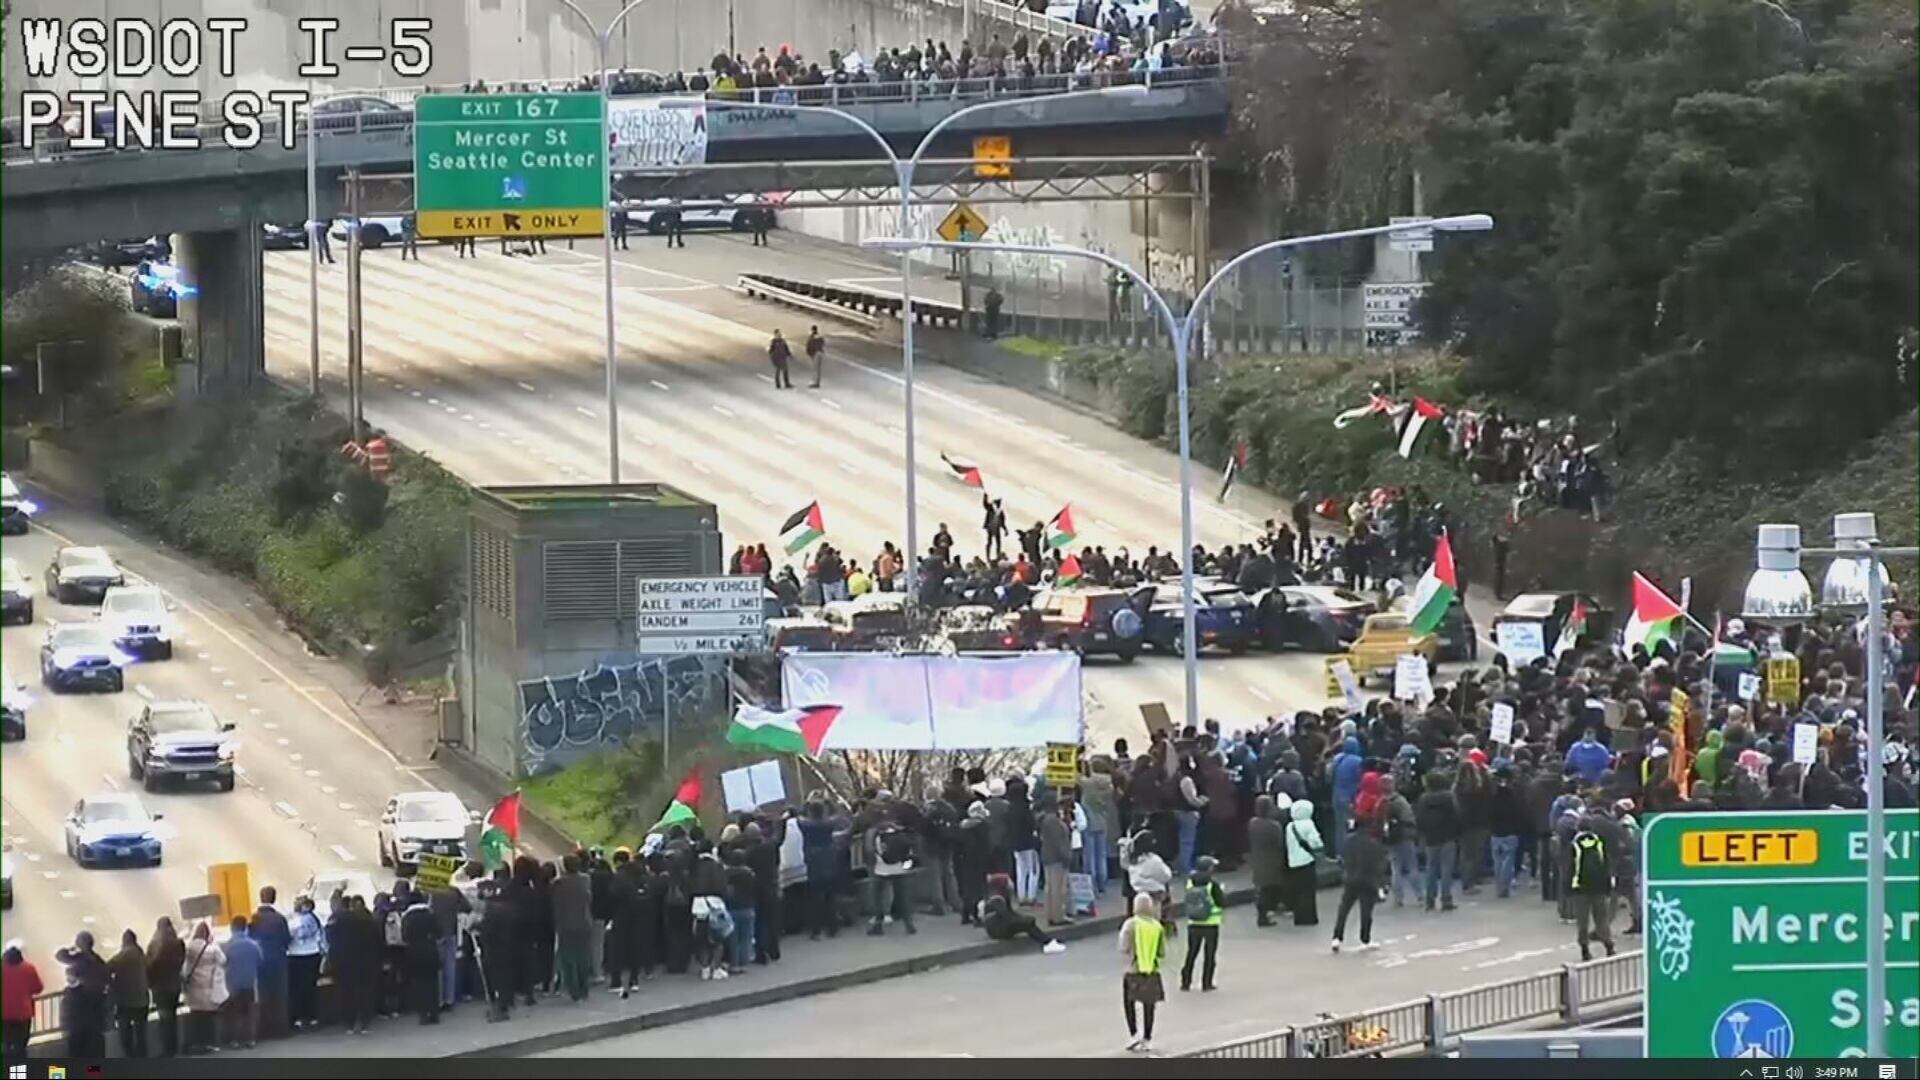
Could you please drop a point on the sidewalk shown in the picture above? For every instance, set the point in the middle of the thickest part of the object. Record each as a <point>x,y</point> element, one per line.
<point>809,968</point>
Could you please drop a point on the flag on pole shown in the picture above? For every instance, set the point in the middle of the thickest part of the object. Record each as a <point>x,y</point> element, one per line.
<point>682,810</point>
<point>1069,572</point>
<point>1378,404</point>
<point>968,474</point>
<point>1571,630</point>
<point>1414,424</point>
<point>500,832</point>
<point>1655,619</point>
<point>792,731</point>
<point>1060,531</point>
<point>803,528</point>
<point>1434,593</point>
<point>1235,462</point>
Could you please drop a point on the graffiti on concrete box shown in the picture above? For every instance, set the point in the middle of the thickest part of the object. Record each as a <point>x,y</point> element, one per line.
<point>566,716</point>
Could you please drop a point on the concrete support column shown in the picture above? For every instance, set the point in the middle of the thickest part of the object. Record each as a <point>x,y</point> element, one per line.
<point>222,311</point>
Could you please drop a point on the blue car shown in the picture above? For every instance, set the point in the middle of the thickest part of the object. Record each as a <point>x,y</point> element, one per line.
<point>112,829</point>
<point>1224,617</point>
<point>82,656</point>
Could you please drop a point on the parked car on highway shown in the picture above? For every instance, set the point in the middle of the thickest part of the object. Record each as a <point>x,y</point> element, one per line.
<point>16,594</point>
<point>82,575</point>
<point>1094,620</point>
<point>81,656</point>
<point>322,884</point>
<point>13,708</point>
<point>114,254</point>
<point>1223,617</point>
<point>375,229</point>
<point>874,621</point>
<point>1550,610</point>
<point>1383,640</point>
<point>654,215</point>
<point>981,628</point>
<point>800,633</point>
<point>112,828</point>
<point>141,620</point>
<point>155,289</point>
<point>16,510</point>
<point>283,237</point>
<point>424,822</point>
<point>1322,618</point>
<point>180,740</point>
<point>6,881</point>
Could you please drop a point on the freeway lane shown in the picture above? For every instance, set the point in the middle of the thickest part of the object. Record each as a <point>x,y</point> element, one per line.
<point>313,780</point>
<point>494,366</point>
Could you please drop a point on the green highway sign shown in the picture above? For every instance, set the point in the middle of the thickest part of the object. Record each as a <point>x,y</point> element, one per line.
<point>1756,943</point>
<point>509,165</point>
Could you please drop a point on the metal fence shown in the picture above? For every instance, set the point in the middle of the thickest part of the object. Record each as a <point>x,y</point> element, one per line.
<point>1575,993</point>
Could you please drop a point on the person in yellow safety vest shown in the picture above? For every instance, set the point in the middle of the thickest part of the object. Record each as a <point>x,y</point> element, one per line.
<point>1143,942</point>
<point>1204,904</point>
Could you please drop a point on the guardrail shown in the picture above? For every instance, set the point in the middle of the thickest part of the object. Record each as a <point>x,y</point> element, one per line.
<point>363,121</point>
<point>867,303</point>
<point>748,286</point>
<point>1574,993</point>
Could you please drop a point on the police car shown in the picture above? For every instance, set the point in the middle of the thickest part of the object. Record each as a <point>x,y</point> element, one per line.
<point>375,229</point>
<point>156,289</point>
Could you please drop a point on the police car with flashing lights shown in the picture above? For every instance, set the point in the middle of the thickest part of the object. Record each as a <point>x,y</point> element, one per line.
<point>16,510</point>
<point>156,289</point>
<point>82,656</point>
<point>111,828</point>
<point>16,594</point>
<point>140,618</point>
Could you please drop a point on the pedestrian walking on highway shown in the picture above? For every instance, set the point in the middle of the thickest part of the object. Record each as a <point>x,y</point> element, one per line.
<point>20,983</point>
<point>1143,942</point>
<point>676,229</point>
<point>1304,848</point>
<point>306,948</point>
<point>762,218</point>
<point>780,354</point>
<point>1204,905</point>
<point>817,352</point>
<point>131,1001</point>
<point>618,220</point>
<point>322,244</point>
<point>1363,872</point>
<point>203,975</point>
<point>269,930</point>
<point>1591,881</point>
<point>165,955</point>
<point>85,1005</point>
<point>410,238</point>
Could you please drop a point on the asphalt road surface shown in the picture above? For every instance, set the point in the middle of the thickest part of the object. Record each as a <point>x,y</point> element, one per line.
<point>495,366</point>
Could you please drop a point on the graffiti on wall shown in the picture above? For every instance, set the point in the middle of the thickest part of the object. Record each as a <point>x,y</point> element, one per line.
<point>563,717</point>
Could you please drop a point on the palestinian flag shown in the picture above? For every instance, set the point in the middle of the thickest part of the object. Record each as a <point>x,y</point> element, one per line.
<point>1414,424</point>
<point>500,833</point>
<point>1434,593</point>
<point>1235,462</point>
<point>1060,531</point>
<point>681,811</point>
<point>803,528</point>
<point>1575,626</point>
<point>1377,405</point>
<point>1069,572</point>
<point>794,731</point>
<point>1656,618</point>
<point>968,474</point>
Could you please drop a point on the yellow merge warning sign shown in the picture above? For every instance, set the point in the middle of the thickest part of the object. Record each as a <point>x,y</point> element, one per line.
<point>1750,847</point>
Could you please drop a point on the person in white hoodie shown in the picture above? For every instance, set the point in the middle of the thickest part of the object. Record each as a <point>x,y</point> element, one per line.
<point>1303,851</point>
<point>203,975</point>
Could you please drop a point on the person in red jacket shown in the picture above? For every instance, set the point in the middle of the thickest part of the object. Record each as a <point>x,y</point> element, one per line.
<point>19,985</point>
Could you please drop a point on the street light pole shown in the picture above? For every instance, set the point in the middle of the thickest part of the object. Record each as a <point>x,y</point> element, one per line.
<point>1181,330</point>
<point>603,43</point>
<point>903,169</point>
<point>314,239</point>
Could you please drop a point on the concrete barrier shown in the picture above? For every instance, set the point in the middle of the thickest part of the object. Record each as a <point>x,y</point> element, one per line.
<point>66,472</point>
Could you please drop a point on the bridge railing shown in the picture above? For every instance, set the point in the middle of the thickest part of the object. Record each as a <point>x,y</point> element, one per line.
<point>364,121</point>
<point>1574,993</point>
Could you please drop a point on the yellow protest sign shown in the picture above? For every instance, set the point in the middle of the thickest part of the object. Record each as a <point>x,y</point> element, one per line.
<point>1783,680</point>
<point>1063,765</point>
<point>233,884</point>
<point>435,872</point>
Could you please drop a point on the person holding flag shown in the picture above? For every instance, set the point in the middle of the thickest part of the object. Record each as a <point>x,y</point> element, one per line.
<point>500,833</point>
<point>1436,590</point>
<point>1235,462</point>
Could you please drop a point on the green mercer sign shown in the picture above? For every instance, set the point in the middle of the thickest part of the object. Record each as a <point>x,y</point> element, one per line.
<point>1756,934</point>
<point>509,165</point>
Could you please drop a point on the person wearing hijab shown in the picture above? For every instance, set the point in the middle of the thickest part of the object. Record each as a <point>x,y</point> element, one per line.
<point>19,984</point>
<point>972,857</point>
<point>128,970</point>
<point>203,974</point>
<point>1267,852</point>
<point>1303,851</point>
<point>307,946</point>
<point>165,954</point>
<point>1143,944</point>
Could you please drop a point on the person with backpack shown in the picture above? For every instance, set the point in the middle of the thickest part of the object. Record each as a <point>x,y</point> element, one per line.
<point>712,923</point>
<point>1303,853</point>
<point>1143,942</point>
<point>1591,882</point>
<point>1204,905</point>
<point>892,868</point>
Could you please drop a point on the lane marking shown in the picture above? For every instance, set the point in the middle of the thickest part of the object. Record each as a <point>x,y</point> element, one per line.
<point>702,469</point>
<point>723,410</point>
<point>1107,525</point>
<point>784,437</point>
<point>830,403</point>
<point>533,337</point>
<point>1259,693</point>
<point>111,782</point>
<point>658,385</point>
<point>143,690</point>
<point>285,809</point>
<point>761,499</point>
<point>583,411</point>
<point>528,387</point>
<point>345,855</point>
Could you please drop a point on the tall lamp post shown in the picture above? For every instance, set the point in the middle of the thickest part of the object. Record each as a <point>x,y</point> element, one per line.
<point>1181,328</point>
<point>603,43</point>
<point>903,170</point>
<point>1778,592</point>
<point>316,235</point>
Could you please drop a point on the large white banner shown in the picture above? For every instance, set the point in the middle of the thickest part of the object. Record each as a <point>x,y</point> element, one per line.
<point>940,702</point>
<point>646,136</point>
